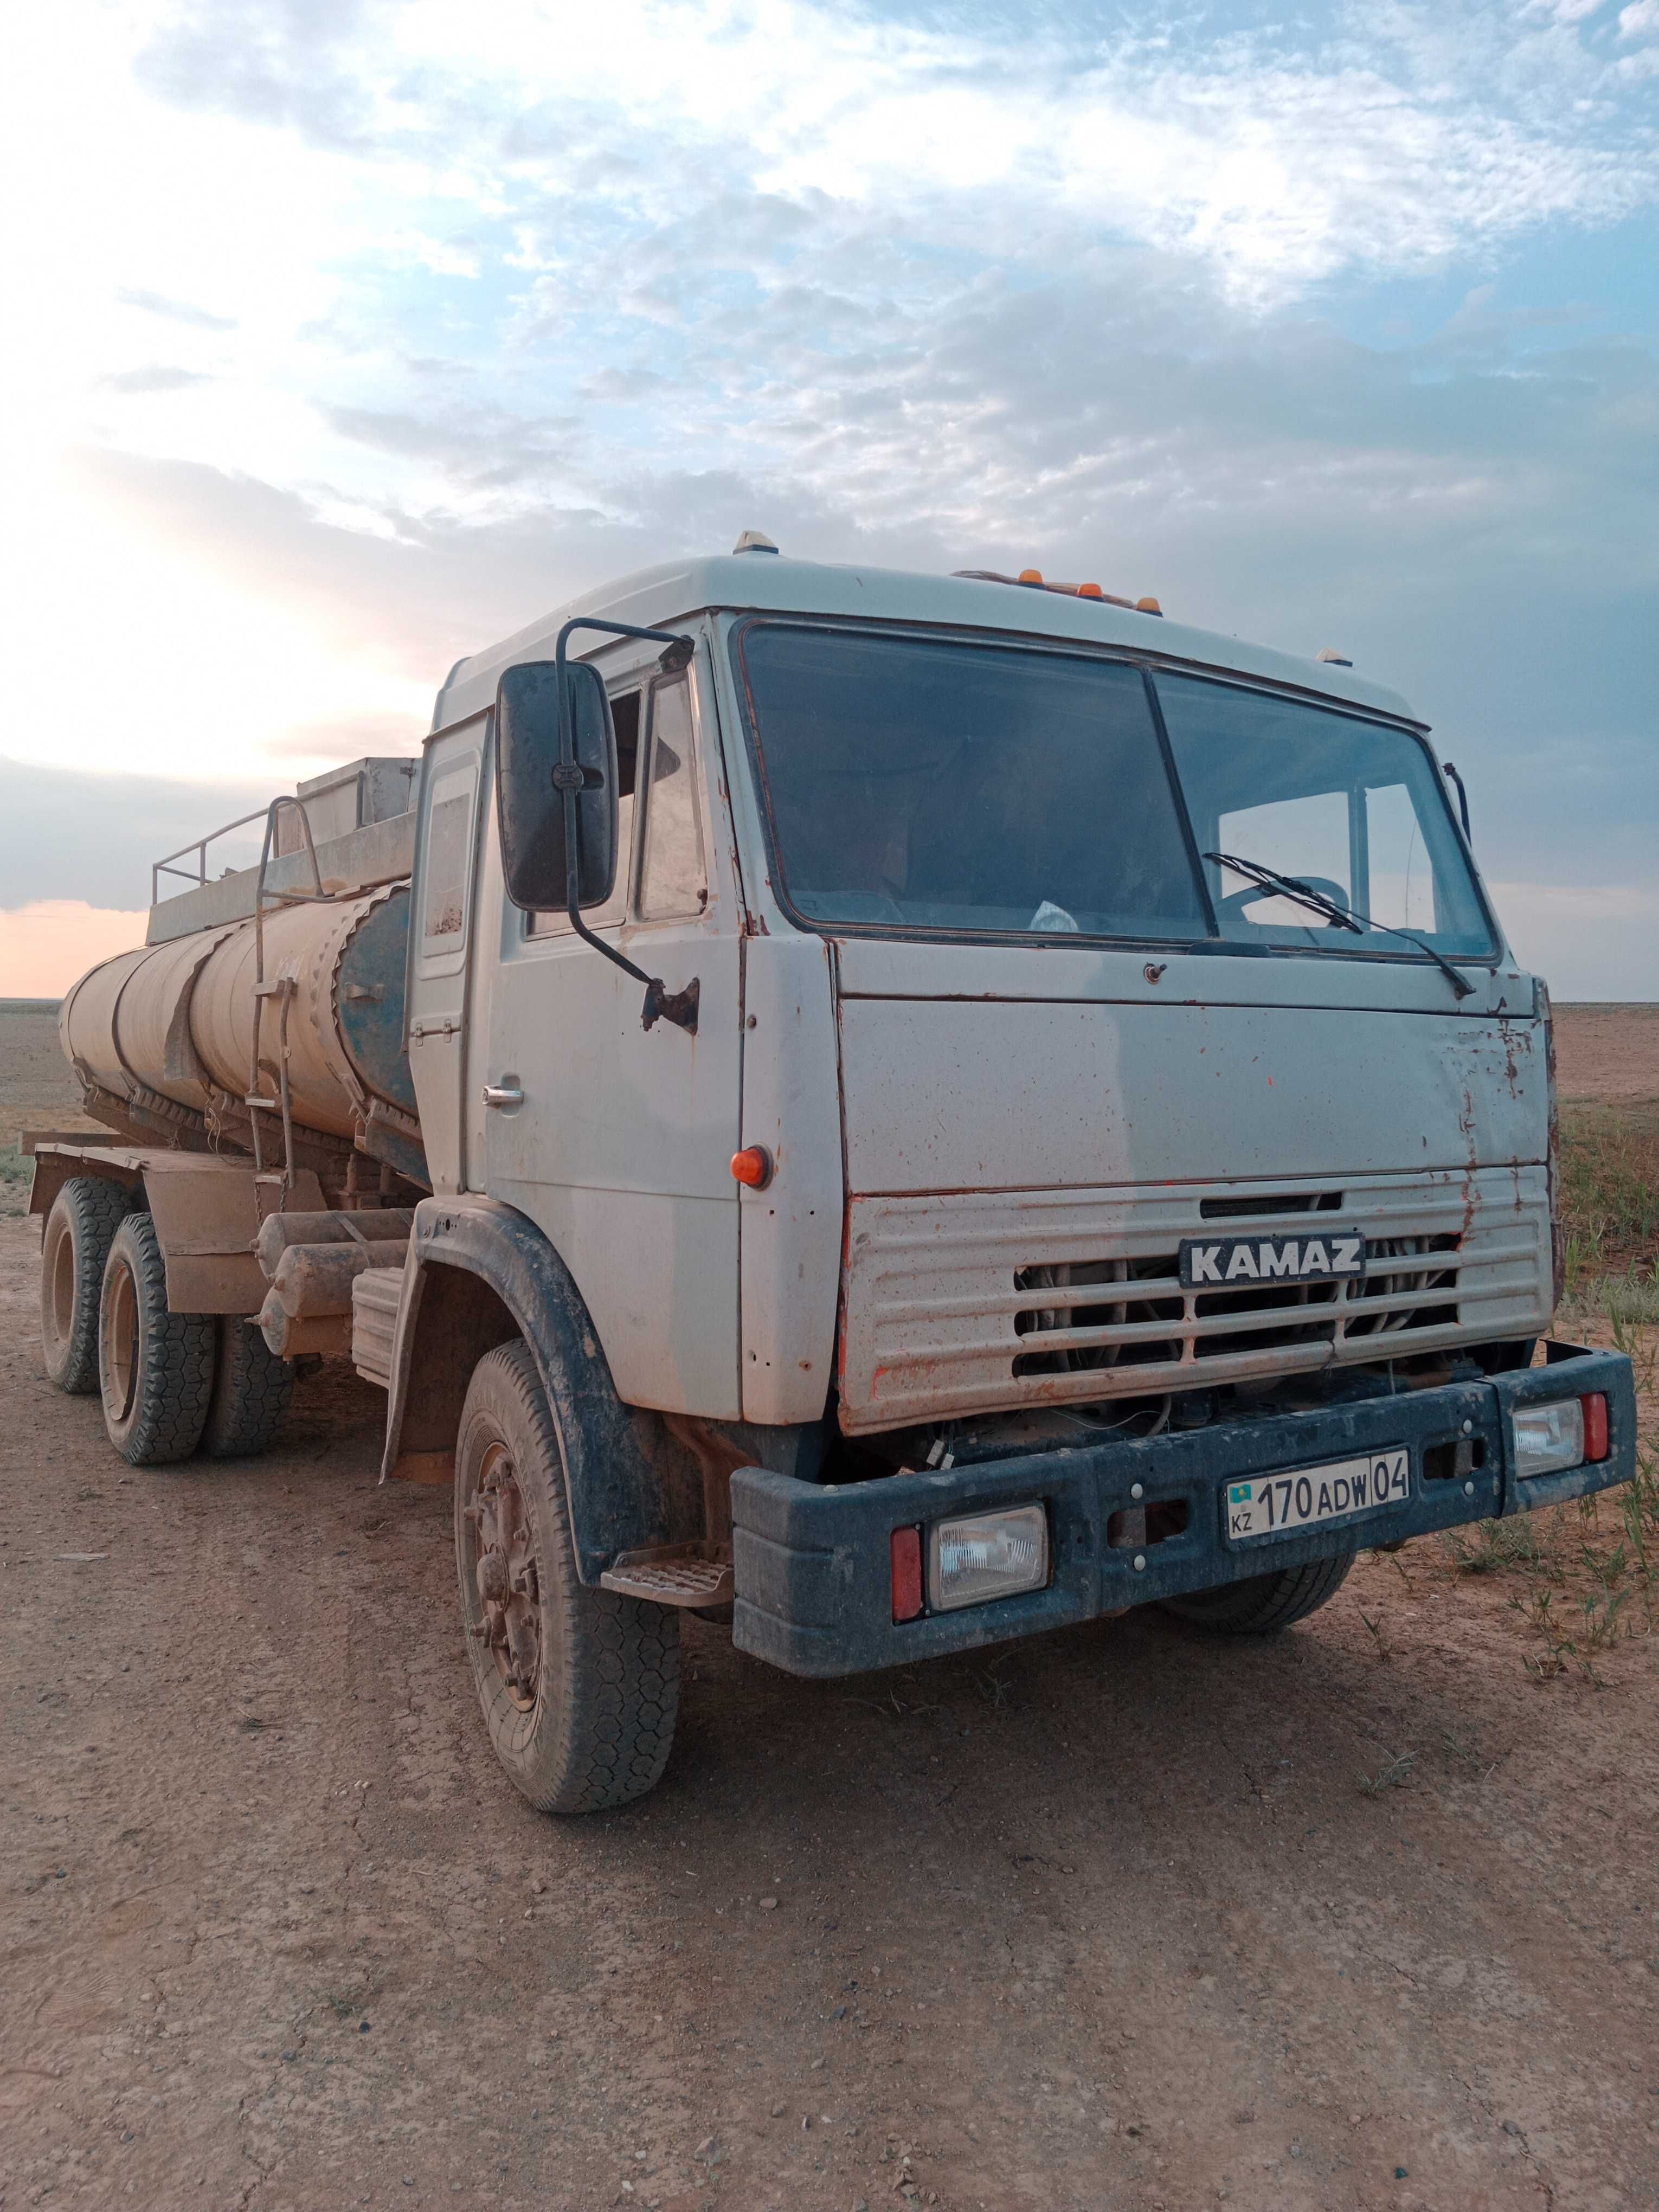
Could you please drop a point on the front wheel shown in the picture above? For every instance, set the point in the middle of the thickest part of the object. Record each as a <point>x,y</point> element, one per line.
<point>1264,1603</point>
<point>579,1687</point>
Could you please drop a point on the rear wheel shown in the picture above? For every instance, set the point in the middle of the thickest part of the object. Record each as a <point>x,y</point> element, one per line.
<point>1266,1603</point>
<point>252,1387</point>
<point>579,1687</point>
<point>80,1228</point>
<point>155,1368</point>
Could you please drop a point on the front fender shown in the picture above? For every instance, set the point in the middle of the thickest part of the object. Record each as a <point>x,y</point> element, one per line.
<point>479,1273</point>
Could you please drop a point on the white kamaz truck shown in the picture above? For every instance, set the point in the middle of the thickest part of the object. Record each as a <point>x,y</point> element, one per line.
<point>893,1111</point>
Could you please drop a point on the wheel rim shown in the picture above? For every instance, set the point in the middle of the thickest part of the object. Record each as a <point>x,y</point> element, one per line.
<point>121,1338</point>
<point>63,1286</point>
<point>505,1577</point>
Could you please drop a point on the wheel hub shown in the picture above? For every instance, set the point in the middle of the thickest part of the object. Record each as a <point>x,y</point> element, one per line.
<point>121,1298</point>
<point>505,1576</point>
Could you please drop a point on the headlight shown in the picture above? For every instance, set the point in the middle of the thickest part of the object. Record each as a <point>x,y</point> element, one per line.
<point>987,1556</point>
<point>1549,1437</point>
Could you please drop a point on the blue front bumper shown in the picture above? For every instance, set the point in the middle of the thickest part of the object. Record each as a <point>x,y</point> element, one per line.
<point>811,1562</point>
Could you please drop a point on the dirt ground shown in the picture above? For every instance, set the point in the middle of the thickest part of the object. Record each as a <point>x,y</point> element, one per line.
<point>1608,1053</point>
<point>1361,1916</point>
<point>37,1088</point>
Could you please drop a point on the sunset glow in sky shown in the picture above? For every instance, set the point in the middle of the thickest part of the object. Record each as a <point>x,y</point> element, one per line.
<point>360,332</point>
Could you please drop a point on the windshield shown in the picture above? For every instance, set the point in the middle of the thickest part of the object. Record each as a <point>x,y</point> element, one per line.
<point>944,787</point>
<point>1349,808</point>
<point>953,785</point>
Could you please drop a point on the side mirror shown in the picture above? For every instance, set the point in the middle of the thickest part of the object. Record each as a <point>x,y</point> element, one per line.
<point>530,786</point>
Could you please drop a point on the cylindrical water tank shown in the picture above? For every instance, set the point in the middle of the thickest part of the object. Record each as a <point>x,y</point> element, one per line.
<point>178,1017</point>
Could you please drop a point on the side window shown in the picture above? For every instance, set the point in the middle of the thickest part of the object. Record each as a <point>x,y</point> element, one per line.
<point>674,881</point>
<point>447,861</point>
<point>625,713</point>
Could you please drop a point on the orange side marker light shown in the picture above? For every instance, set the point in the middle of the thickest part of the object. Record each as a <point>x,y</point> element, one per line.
<point>752,1167</point>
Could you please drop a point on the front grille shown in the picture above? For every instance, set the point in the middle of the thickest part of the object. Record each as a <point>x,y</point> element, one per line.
<point>979,1302</point>
<point>1148,1318</point>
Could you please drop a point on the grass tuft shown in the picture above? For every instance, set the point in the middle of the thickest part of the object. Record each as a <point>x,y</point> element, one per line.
<point>1610,1193</point>
<point>1393,1774</point>
<point>14,1173</point>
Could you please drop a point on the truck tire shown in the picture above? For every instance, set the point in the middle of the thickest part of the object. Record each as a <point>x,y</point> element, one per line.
<point>1266,1603</point>
<point>579,1686</point>
<point>80,1228</point>
<point>252,1387</point>
<point>155,1368</point>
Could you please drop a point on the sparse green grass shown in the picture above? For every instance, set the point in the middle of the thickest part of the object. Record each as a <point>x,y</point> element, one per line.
<point>1393,1774</point>
<point>1581,1578</point>
<point>1610,1193</point>
<point>1586,1574</point>
<point>14,1173</point>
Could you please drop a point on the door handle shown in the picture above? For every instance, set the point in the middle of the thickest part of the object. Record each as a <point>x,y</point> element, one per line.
<point>502,1094</point>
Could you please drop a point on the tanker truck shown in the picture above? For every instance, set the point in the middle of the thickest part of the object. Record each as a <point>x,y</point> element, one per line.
<point>890,1112</point>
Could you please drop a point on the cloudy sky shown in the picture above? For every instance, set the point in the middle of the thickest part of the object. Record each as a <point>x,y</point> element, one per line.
<point>359,332</point>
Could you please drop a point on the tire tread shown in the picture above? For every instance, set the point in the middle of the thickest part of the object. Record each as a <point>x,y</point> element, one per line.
<point>1265,1604</point>
<point>175,1385</point>
<point>252,1387</point>
<point>609,1739</point>
<point>92,1209</point>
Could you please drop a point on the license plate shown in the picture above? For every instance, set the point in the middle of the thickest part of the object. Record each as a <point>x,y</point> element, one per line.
<point>1271,1504</point>
<point>1324,1255</point>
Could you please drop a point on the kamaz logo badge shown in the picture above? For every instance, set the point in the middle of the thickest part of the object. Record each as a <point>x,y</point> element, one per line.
<point>1220,1262</point>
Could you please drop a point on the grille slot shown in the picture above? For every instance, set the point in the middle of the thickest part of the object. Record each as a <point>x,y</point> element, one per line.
<point>1247,1209</point>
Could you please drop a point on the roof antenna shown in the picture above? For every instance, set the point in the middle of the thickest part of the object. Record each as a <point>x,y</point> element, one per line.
<point>753,541</point>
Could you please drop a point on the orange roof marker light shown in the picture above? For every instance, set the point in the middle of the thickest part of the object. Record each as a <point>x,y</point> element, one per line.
<point>1033,580</point>
<point>752,1167</point>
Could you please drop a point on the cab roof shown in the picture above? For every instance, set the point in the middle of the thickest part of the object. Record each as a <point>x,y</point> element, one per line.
<point>761,582</point>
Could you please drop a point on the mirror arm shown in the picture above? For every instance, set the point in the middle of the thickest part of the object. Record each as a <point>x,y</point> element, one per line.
<point>1447,769</point>
<point>679,1007</point>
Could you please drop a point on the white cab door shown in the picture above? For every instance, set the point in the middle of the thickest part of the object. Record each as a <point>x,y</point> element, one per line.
<point>621,1149</point>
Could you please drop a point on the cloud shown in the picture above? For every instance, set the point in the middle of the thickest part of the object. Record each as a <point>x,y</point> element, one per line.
<point>1237,314</point>
<point>92,839</point>
<point>175,311</point>
<point>134,381</point>
<point>619,385</point>
<point>1274,159</point>
<point>1590,941</point>
<point>1641,17</point>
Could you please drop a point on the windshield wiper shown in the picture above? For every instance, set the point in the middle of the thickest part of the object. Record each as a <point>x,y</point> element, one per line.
<point>1301,893</point>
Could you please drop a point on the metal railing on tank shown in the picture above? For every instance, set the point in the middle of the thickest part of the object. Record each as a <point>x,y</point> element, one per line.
<point>198,846</point>
<point>199,877</point>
